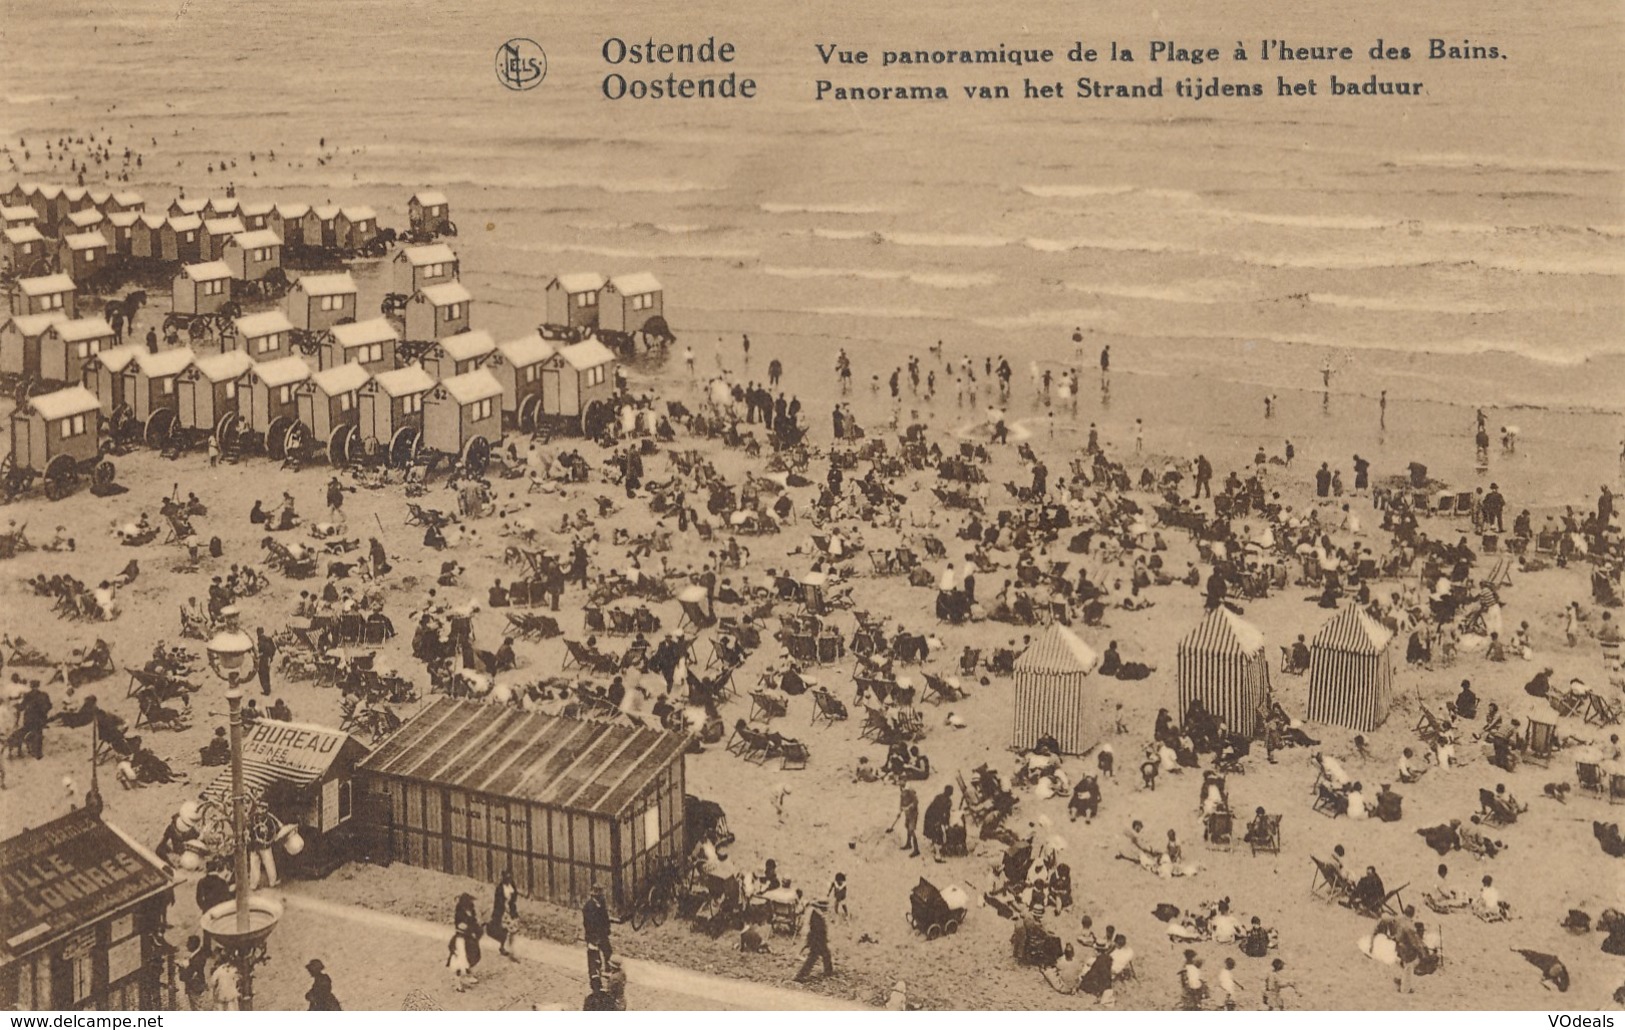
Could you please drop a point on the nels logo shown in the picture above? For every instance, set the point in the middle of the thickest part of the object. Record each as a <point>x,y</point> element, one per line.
<point>521,64</point>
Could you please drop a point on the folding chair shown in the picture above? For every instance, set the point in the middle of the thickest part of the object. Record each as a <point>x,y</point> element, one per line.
<point>1600,712</point>
<point>1271,841</point>
<point>1328,882</point>
<point>1589,776</point>
<point>1541,743</point>
<point>793,754</point>
<point>768,706</point>
<point>1616,789</point>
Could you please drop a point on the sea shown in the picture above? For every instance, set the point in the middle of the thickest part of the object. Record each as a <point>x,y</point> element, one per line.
<point>1460,249</point>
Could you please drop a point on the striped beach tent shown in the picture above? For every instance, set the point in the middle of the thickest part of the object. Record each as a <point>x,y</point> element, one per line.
<point>1053,695</point>
<point>1351,672</point>
<point>1222,663</point>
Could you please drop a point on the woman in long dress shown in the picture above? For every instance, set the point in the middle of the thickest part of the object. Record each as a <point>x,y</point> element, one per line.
<point>463,953</point>
<point>504,906</point>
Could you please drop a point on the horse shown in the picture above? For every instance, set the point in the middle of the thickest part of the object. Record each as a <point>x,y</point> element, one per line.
<point>121,312</point>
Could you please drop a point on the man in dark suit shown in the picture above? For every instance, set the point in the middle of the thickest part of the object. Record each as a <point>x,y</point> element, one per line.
<point>817,942</point>
<point>595,926</point>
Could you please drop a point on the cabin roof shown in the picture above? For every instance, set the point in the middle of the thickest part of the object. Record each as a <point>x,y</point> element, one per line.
<point>128,198</point>
<point>257,238</point>
<point>589,353</point>
<point>84,240</point>
<point>441,294</point>
<point>429,198</point>
<point>34,325</point>
<point>153,221</point>
<point>338,379</point>
<point>326,212</point>
<point>224,226</point>
<point>473,343</point>
<point>86,218</point>
<point>117,359</point>
<point>580,282</point>
<point>189,205</point>
<point>476,385</point>
<point>205,271</point>
<point>223,204</point>
<point>43,284</point>
<point>282,371</point>
<point>164,363</point>
<point>22,212</point>
<point>358,334</point>
<point>73,330</point>
<point>293,210</point>
<point>636,283</point>
<point>185,223</point>
<point>402,381</point>
<point>359,213</point>
<point>23,234</point>
<point>75,400</point>
<point>227,365</point>
<point>527,350</point>
<point>263,323</point>
<point>123,219</point>
<point>326,285</point>
<point>432,254</point>
<point>257,207</point>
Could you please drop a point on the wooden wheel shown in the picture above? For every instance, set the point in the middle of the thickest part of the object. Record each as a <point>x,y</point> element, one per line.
<point>529,409</point>
<point>477,455</point>
<point>340,446</point>
<point>60,477</point>
<point>225,432</point>
<point>160,426</point>
<point>296,439</point>
<point>276,438</point>
<point>404,447</point>
<point>103,474</point>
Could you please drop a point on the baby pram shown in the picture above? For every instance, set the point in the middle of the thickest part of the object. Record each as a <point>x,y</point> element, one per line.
<point>936,912</point>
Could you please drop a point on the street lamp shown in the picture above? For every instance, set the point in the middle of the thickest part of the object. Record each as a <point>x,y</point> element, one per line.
<point>241,926</point>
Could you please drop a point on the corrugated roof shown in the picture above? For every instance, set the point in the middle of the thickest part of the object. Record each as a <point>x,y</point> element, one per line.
<point>1353,630</point>
<point>224,226</point>
<point>636,283</point>
<point>282,371</point>
<point>84,240</point>
<point>164,363</point>
<point>580,282</point>
<point>441,294</point>
<point>263,323</point>
<point>589,353</point>
<point>43,284</point>
<point>204,271</point>
<point>527,350</point>
<point>357,334</point>
<point>23,234</point>
<point>337,379</point>
<point>74,330</point>
<point>599,768</point>
<point>471,386</point>
<point>1224,632</point>
<point>34,325</point>
<point>326,285</point>
<point>399,382</point>
<point>465,346</point>
<point>429,198</point>
<point>68,886</point>
<point>185,223</point>
<point>218,368</point>
<point>417,257</point>
<point>1057,650</point>
<point>257,238</point>
<point>75,400</point>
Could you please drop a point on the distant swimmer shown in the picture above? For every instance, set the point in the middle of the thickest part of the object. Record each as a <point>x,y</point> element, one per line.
<point>1509,439</point>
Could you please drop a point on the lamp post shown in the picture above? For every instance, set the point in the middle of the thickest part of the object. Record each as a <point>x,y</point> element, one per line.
<point>243,938</point>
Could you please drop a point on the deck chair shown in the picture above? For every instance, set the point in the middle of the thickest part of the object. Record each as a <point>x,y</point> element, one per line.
<point>969,661</point>
<point>1546,543</point>
<point>577,656</point>
<point>875,726</point>
<point>1599,712</point>
<point>595,620</point>
<point>828,707</point>
<point>621,623</point>
<point>1500,574</point>
<point>696,616</point>
<point>767,705</point>
<point>1329,802</point>
<point>1464,503</point>
<point>1616,789</point>
<point>1589,777</point>
<point>793,754</point>
<point>1328,882</point>
<point>1445,505</point>
<point>910,725</point>
<point>1271,841</point>
<point>1568,703</point>
<point>1219,830</point>
<point>1541,743</point>
<point>938,690</point>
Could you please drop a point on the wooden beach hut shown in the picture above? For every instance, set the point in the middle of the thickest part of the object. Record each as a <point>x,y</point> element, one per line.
<point>61,428</point>
<point>454,355</point>
<point>392,411</point>
<point>355,227</point>
<point>517,364</point>
<point>1053,695</point>
<point>181,239</point>
<point>222,207</point>
<point>288,222</point>
<point>66,346</point>
<point>85,915</point>
<point>462,416</point>
<point>20,337</point>
<point>183,206</point>
<point>255,214</point>
<point>147,238</point>
<point>82,254</point>
<point>627,302</point>
<point>263,336</point>
<point>22,249</point>
<point>572,300</point>
<point>49,203</point>
<point>1351,672</point>
<point>124,200</point>
<point>330,407</point>
<point>150,389</point>
<point>42,293</point>
<point>103,374</point>
<point>428,211</point>
<point>250,255</point>
<point>576,378</point>
<point>267,400</point>
<point>439,311</point>
<point>84,221</point>
<point>120,231</point>
<point>1222,664</point>
<point>370,344</point>
<point>318,302</point>
<point>321,226</point>
<point>472,789</point>
<point>13,216</point>
<point>303,773</point>
<point>216,233</point>
<point>208,389</point>
<point>201,289</point>
<point>417,267</point>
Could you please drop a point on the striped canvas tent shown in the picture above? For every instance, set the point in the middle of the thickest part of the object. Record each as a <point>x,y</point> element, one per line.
<point>313,763</point>
<point>1222,663</point>
<point>1351,672</point>
<point>1052,693</point>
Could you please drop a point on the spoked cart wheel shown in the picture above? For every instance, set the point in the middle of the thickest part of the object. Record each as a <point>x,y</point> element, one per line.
<point>477,455</point>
